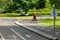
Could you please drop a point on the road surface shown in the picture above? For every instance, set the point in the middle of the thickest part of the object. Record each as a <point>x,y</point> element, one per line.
<point>10,31</point>
<point>18,33</point>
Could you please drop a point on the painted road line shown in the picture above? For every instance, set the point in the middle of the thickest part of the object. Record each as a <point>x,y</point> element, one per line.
<point>29,36</point>
<point>14,36</point>
<point>17,34</point>
<point>2,36</point>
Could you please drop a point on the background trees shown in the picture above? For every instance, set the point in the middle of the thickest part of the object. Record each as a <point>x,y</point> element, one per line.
<point>14,5</point>
<point>5,4</point>
<point>57,2</point>
<point>2,5</point>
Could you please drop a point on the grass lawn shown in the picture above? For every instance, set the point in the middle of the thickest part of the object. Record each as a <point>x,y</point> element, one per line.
<point>50,22</point>
<point>20,17</point>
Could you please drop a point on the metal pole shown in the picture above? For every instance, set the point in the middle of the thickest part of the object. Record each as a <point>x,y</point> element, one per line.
<point>54,4</point>
<point>54,22</point>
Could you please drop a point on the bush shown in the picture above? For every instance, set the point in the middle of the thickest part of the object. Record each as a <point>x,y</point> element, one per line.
<point>38,13</point>
<point>58,14</point>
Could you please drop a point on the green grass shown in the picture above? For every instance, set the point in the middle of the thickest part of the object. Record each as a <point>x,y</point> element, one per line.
<point>9,15</point>
<point>50,22</point>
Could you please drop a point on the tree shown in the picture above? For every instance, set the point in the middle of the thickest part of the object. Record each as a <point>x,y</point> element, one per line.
<point>5,4</point>
<point>48,4</point>
<point>14,5</point>
<point>57,3</point>
<point>2,5</point>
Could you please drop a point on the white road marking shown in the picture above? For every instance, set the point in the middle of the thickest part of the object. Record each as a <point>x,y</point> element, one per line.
<point>2,36</point>
<point>13,36</point>
<point>28,36</point>
<point>17,34</point>
<point>18,23</point>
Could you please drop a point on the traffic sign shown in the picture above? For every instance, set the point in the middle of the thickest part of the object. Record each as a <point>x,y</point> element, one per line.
<point>52,12</point>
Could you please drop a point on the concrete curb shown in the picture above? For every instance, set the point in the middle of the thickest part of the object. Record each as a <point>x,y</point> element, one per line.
<point>48,36</point>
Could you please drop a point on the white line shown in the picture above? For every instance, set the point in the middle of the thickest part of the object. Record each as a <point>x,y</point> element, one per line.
<point>28,36</point>
<point>2,36</point>
<point>14,36</point>
<point>18,34</point>
<point>18,23</point>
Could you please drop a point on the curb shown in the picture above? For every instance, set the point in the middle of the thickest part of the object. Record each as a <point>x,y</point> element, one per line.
<point>48,36</point>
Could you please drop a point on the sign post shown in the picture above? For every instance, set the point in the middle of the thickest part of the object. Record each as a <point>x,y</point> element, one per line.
<point>54,21</point>
<point>54,13</point>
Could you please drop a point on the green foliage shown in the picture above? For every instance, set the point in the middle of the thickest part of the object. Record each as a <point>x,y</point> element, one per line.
<point>56,2</point>
<point>9,15</point>
<point>4,4</point>
<point>48,4</point>
<point>9,6</point>
<point>14,5</point>
<point>58,14</point>
<point>40,4</point>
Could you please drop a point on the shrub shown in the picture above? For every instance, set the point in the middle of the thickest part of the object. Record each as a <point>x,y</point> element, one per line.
<point>58,14</point>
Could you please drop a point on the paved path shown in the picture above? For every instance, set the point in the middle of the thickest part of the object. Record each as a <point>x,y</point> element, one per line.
<point>10,31</point>
<point>42,28</point>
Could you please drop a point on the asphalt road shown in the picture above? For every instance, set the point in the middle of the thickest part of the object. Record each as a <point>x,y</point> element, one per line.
<point>18,33</point>
<point>41,28</point>
<point>10,31</point>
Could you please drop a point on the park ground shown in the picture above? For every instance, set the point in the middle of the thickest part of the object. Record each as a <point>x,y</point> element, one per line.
<point>44,20</point>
